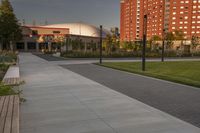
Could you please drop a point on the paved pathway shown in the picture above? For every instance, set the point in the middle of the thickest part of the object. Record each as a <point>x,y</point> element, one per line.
<point>61,101</point>
<point>178,100</point>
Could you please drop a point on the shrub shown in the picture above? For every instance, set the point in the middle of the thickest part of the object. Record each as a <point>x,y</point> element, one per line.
<point>196,54</point>
<point>118,54</point>
<point>3,67</point>
<point>6,90</point>
<point>8,57</point>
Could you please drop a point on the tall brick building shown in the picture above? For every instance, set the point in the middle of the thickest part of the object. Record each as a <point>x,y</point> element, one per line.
<point>170,15</point>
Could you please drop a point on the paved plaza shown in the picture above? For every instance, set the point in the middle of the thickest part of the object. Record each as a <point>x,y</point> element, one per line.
<point>179,100</point>
<point>62,101</point>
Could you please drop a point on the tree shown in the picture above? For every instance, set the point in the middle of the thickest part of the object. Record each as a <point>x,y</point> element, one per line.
<point>150,42</point>
<point>170,39</point>
<point>107,43</point>
<point>153,41</point>
<point>130,46</point>
<point>195,42</point>
<point>10,30</point>
<point>179,35</point>
<point>111,43</point>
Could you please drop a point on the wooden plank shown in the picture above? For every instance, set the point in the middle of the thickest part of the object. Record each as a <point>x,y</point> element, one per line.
<point>15,120</point>
<point>1,103</point>
<point>11,81</point>
<point>3,114</point>
<point>8,121</point>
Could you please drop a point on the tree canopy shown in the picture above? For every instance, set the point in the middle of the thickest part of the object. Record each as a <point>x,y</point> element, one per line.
<point>179,35</point>
<point>9,27</point>
<point>169,37</point>
<point>195,41</point>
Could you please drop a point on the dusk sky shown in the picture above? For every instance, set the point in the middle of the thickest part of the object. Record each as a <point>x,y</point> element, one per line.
<point>96,12</point>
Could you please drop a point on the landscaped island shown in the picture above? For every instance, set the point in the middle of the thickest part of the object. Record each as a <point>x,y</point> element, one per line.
<point>185,72</point>
<point>6,59</point>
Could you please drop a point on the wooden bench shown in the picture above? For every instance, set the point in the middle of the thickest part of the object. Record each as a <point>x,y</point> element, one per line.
<point>9,114</point>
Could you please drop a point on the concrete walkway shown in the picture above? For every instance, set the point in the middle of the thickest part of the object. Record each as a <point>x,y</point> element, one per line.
<point>178,100</point>
<point>61,101</point>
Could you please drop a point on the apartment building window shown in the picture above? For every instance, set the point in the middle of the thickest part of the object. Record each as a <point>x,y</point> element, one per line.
<point>194,7</point>
<point>186,12</point>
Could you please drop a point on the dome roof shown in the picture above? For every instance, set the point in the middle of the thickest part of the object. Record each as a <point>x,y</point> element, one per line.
<point>80,29</point>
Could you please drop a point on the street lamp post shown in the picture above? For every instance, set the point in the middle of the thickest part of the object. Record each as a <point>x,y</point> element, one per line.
<point>163,46</point>
<point>144,43</point>
<point>101,38</point>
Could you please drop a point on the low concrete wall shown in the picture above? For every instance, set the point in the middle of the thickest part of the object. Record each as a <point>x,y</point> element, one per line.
<point>12,76</point>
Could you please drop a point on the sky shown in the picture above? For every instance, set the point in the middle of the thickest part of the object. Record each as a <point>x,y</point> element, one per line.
<point>95,12</point>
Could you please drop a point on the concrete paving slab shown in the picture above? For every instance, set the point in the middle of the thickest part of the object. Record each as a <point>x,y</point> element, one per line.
<point>59,100</point>
<point>89,126</point>
<point>13,72</point>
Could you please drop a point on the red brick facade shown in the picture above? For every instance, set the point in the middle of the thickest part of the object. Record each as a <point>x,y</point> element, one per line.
<point>185,16</point>
<point>162,14</point>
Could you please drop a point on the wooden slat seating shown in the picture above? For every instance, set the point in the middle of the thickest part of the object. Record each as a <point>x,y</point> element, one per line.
<point>9,114</point>
<point>11,81</point>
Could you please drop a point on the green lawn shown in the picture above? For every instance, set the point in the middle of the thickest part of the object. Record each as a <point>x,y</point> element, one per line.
<point>4,90</point>
<point>185,72</point>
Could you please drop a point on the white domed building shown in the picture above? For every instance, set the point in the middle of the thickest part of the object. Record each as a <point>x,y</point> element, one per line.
<point>83,33</point>
<point>80,29</point>
<point>72,36</point>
